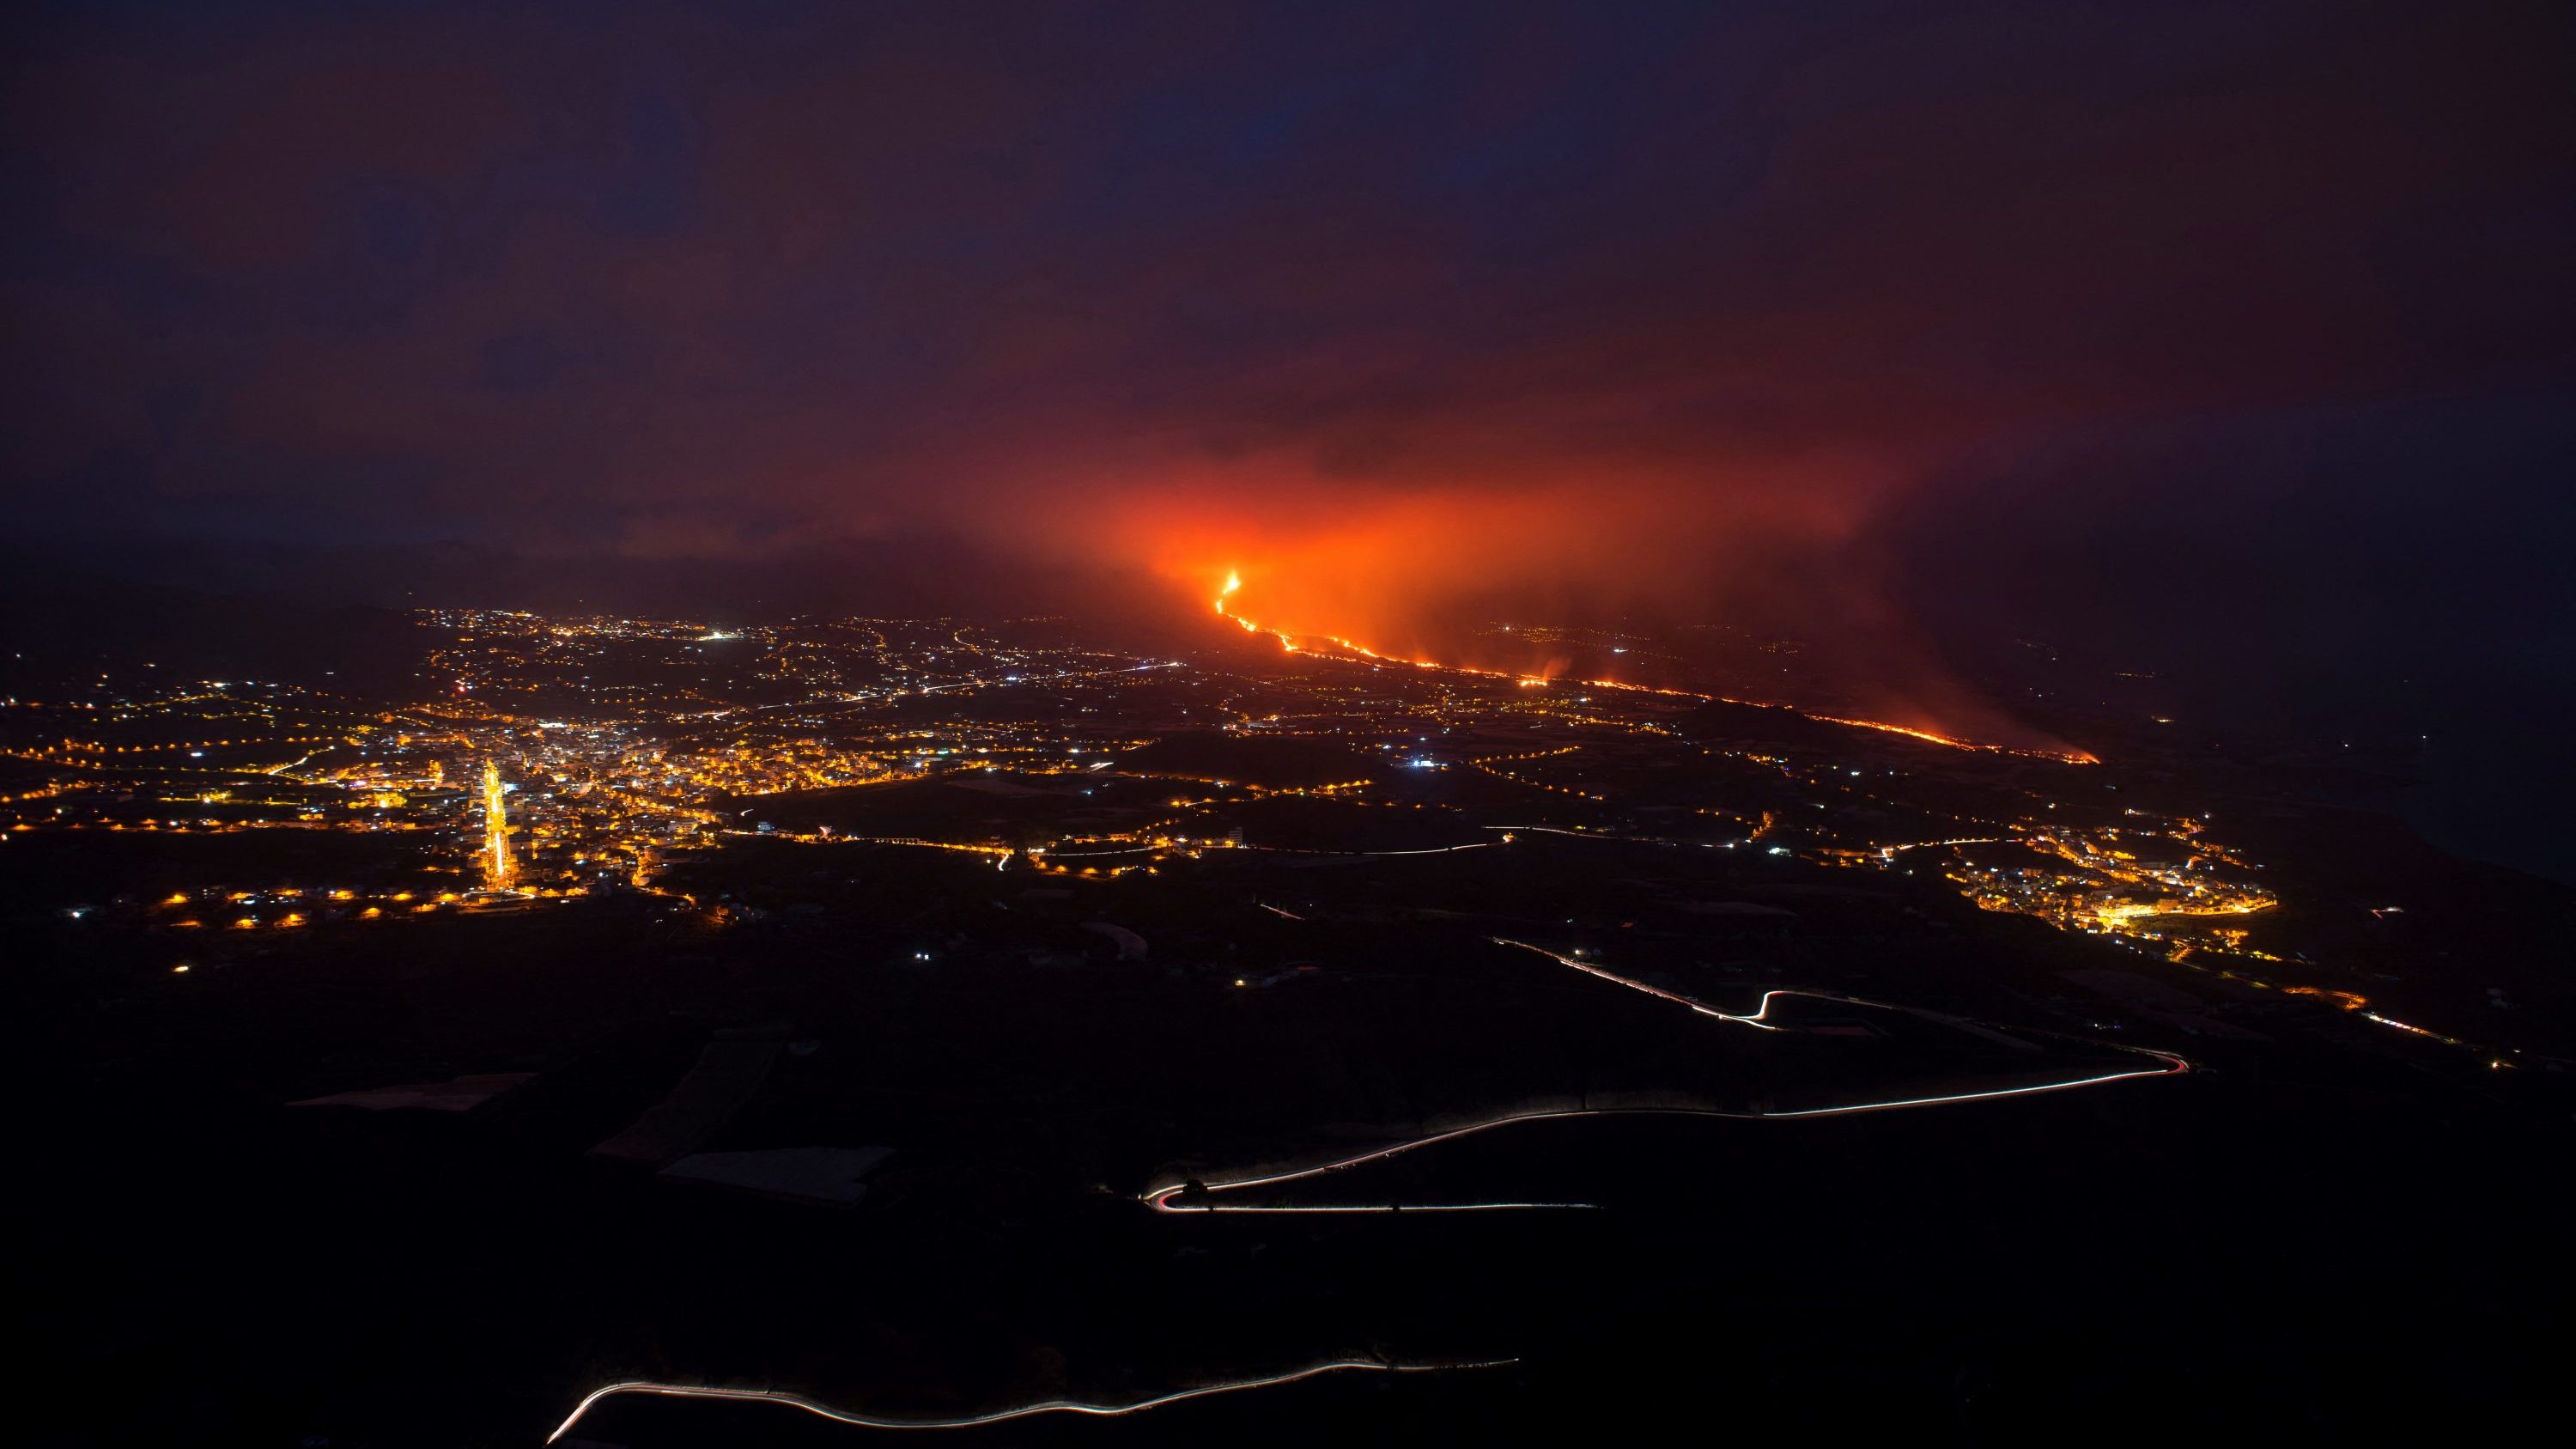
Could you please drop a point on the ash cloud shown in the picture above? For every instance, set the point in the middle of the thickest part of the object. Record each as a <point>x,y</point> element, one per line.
<point>1685,311</point>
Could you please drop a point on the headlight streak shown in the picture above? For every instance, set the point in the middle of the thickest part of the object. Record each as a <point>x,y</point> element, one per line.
<point>1160,1199</point>
<point>998,1416</point>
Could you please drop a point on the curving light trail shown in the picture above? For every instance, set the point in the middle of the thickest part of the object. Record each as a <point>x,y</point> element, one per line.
<point>998,1416</point>
<point>1160,1199</point>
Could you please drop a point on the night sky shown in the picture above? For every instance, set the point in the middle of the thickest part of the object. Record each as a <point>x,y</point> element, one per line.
<point>2234,338</point>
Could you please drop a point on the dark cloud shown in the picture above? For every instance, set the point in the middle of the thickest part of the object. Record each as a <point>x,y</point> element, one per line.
<point>1386,303</point>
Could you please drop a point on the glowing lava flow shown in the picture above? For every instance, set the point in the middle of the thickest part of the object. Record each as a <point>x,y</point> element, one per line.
<point>999,1416</point>
<point>1305,644</point>
<point>1160,1199</point>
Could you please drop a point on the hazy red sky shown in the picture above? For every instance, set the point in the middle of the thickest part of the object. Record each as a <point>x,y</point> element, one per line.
<point>1380,302</point>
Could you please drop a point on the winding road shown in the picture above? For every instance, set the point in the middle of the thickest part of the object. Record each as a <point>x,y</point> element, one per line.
<point>998,1416</point>
<point>1161,1199</point>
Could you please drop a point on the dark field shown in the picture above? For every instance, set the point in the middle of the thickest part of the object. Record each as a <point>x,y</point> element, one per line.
<point>2031,1270</point>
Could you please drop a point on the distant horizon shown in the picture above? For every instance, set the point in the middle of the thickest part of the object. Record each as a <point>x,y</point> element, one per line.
<point>2457,785</point>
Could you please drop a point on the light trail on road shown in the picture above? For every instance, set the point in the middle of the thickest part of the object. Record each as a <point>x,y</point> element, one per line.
<point>998,1416</point>
<point>1161,1199</point>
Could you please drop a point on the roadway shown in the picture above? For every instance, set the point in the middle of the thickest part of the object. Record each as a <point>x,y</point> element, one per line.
<point>1161,1199</point>
<point>997,1416</point>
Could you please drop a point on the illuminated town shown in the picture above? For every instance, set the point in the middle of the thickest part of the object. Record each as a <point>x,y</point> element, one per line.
<point>548,759</point>
<point>1811,917</point>
<point>1148,725</point>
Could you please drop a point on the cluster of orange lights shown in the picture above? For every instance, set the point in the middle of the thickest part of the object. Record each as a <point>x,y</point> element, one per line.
<point>2348,1000</point>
